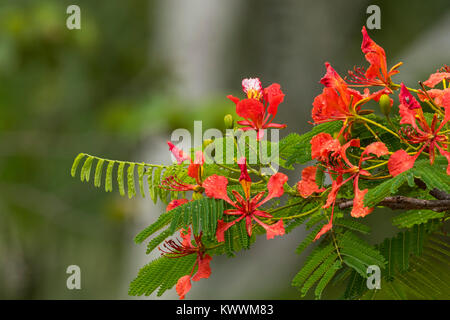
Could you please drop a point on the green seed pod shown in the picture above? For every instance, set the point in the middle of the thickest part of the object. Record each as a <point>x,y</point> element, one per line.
<point>385,104</point>
<point>228,120</point>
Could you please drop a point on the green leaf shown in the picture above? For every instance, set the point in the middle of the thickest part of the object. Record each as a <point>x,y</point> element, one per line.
<point>86,169</point>
<point>108,179</point>
<point>433,176</point>
<point>120,178</point>
<point>314,260</point>
<point>308,239</point>
<point>98,173</point>
<point>410,218</point>
<point>141,172</point>
<point>77,160</point>
<point>162,273</point>
<point>381,191</point>
<point>130,180</point>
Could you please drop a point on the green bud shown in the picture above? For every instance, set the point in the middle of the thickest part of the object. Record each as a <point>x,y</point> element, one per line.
<point>207,142</point>
<point>196,196</point>
<point>385,104</point>
<point>228,120</point>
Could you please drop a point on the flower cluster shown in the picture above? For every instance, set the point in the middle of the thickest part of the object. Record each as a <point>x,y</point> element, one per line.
<point>339,101</point>
<point>354,153</point>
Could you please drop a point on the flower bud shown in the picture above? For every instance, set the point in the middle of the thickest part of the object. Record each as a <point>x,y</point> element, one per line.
<point>228,120</point>
<point>197,195</point>
<point>385,104</point>
<point>207,142</point>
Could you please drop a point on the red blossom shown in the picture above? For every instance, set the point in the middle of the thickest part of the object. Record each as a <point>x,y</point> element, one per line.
<point>176,249</point>
<point>377,74</point>
<point>436,78</point>
<point>194,170</point>
<point>246,207</point>
<point>260,107</point>
<point>339,102</point>
<point>419,132</point>
<point>333,156</point>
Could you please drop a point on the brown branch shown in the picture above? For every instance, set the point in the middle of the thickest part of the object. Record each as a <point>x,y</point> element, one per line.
<point>436,193</point>
<point>405,203</point>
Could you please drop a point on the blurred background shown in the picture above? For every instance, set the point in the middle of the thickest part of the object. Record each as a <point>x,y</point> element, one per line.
<point>118,87</point>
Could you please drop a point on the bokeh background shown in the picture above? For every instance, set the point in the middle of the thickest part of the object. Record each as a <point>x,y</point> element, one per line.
<point>117,88</point>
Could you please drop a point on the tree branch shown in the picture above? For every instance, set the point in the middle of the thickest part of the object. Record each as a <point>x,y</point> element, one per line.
<point>405,203</point>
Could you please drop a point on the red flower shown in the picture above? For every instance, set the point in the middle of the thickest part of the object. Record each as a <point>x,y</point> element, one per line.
<point>419,132</point>
<point>195,171</point>
<point>175,203</point>
<point>438,77</point>
<point>436,94</point>
<point>308,185</point>
<point>337,101</point>
<point>333,156</point>
<point>246,207</point>
<point>377,74</point>
<point>176,249</point>
<point>260,107</point>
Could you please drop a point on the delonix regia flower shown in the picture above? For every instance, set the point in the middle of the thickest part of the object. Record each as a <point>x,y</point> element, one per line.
<point>260,107</point>
<point>420,132</point>
<point>177,249</point>
<point>332,156</point>
<point>246,207</point>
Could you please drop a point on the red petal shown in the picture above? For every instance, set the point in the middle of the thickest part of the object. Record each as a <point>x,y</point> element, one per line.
<point>175,203</point>
<point>324,230</point>
<point>332,79</point>
<point>251,109</point>
<point>274,96</point>
<point>216,187</point>
<point>193,171</point>
<point>446,154</point>
<point>435,78</point>
<point>179,154</point>
<point>335,186</point>
<point>186,236</point>
<point>275,187</point>
<point>224,226</point>
<point>400,161</point>
<point>242,163</point>
<point>376,56</point>
<point>275,125</point>
<point>359,210</point>
<point>183,286</point>
<point>234,99</point>
<point>204,270</point>
<point>307,186</point>
<point>276,229</point>
<point>322,144</point>
<point>377,148</point>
